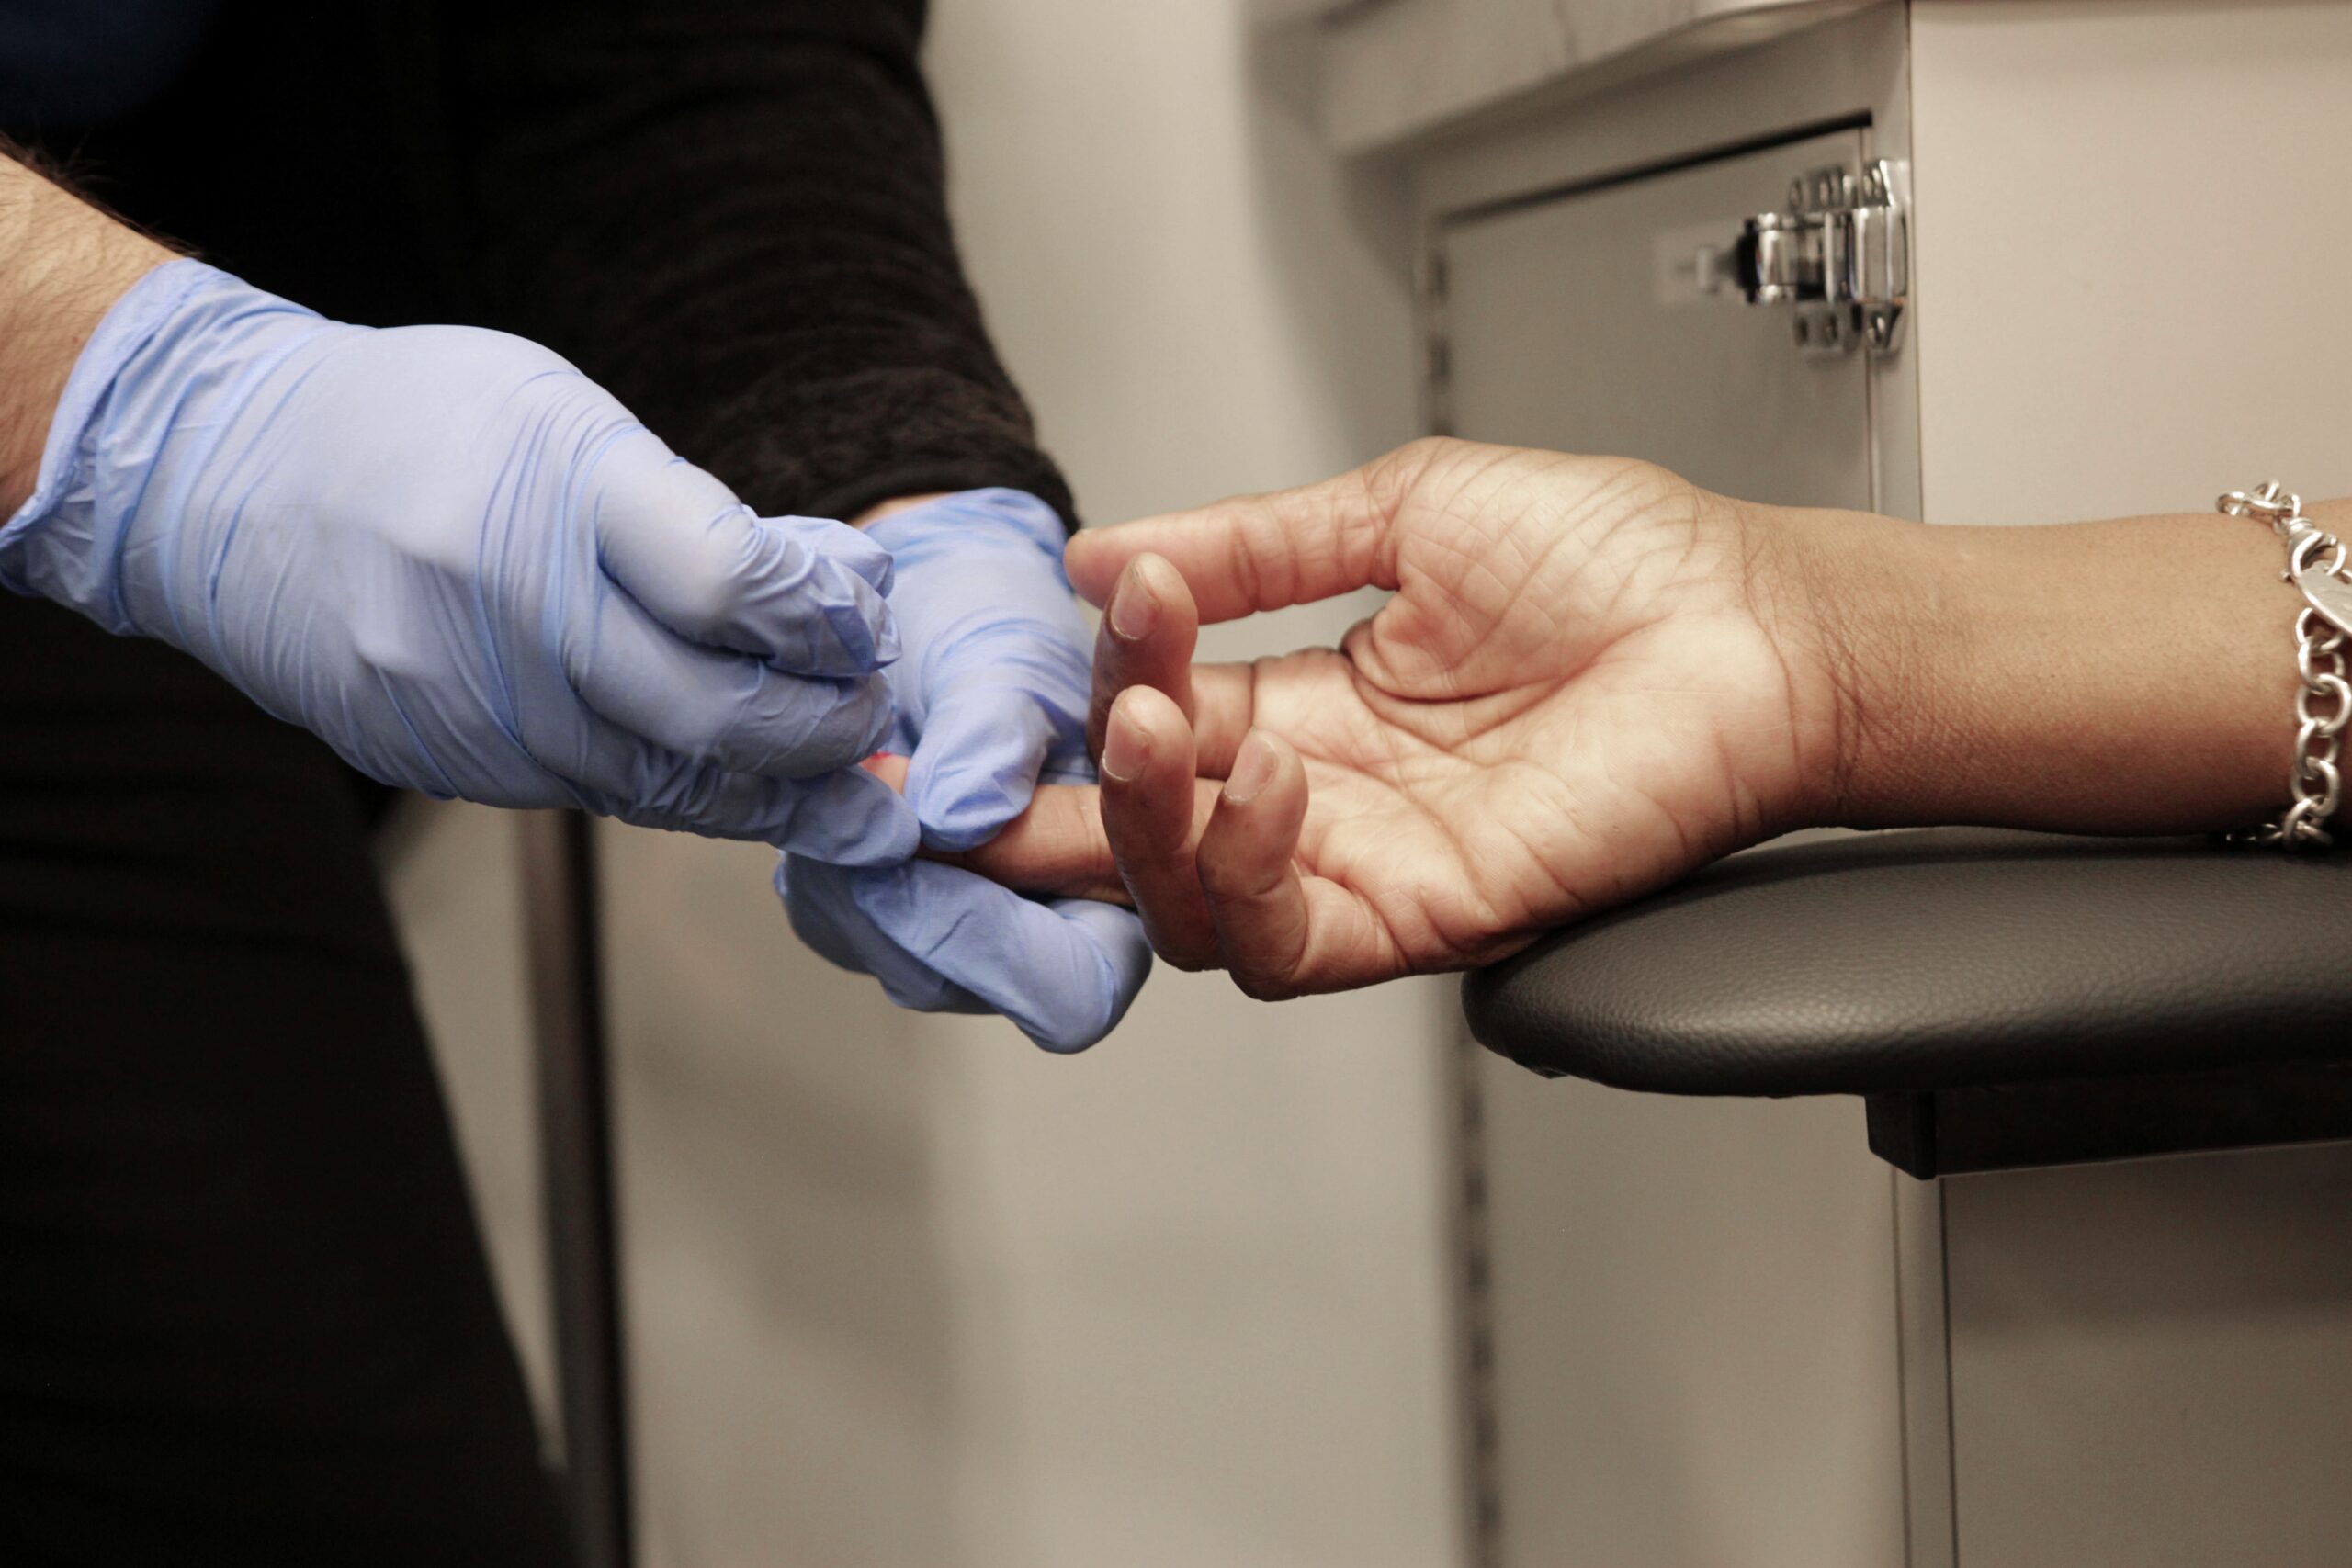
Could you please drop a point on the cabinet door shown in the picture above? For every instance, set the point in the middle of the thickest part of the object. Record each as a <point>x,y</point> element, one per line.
<point>1690,1304</point>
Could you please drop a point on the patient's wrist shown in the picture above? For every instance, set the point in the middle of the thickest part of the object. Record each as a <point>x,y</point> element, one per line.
<point>2134,676</point>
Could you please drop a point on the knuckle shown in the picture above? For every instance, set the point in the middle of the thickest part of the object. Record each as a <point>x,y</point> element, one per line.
<point>1387,480</point>
<point>1245,558</point>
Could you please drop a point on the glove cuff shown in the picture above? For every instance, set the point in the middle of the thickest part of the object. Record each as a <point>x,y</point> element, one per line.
<point>60,499</point>
<point>155,363</point>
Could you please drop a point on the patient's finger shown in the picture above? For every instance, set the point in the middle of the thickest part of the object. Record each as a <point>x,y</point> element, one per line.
<point>1056,849</point>
<point>1261,552</point>
<point>1224,704</point>
<point>1280,934</point>
<point>890,768</point>
<point>1148,636</point>
<point>1148,632</point>
<point>1248,868</point>
<point>1150,799</point>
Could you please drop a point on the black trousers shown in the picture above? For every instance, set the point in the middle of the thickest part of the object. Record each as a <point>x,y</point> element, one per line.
<point>245,1313</point>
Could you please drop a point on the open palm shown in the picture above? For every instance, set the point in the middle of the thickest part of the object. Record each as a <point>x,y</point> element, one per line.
<point>1585,683</point>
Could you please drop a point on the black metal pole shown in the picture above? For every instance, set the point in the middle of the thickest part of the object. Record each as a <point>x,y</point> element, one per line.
<point>576,1172</point>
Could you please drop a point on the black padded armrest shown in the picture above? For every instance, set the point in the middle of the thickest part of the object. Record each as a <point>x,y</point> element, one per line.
<point>1921,963</point>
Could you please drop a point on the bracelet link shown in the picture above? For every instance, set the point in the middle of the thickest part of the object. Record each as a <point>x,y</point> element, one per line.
<point>2315,783</point>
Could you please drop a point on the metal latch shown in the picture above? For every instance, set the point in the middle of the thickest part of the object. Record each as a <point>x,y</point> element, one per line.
<point>1840,254</point>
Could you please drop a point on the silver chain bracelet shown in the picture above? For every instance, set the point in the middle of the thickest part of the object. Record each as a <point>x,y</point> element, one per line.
<point>2315,562</point>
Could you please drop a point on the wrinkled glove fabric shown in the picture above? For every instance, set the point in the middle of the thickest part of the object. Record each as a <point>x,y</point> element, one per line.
<point>465,567</point>
<point>990,697</point>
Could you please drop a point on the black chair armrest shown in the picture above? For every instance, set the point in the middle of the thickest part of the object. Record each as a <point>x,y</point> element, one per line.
<point>1925,968</point>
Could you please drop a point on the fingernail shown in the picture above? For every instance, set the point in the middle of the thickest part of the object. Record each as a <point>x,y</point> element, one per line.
<point>1127,750</point>
<point>1134,609</point>
<point>1253,769</point>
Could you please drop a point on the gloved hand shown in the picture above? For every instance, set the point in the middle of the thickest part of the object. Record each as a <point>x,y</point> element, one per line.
<point>992,696</point>
<point>465,567</point>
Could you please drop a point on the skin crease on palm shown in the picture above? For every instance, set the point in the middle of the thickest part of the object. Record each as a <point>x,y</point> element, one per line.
<point>1577,690</point>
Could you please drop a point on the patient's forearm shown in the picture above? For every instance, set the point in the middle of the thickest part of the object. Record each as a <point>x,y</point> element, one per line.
<point>2127,676</point>
<point>62,262</point>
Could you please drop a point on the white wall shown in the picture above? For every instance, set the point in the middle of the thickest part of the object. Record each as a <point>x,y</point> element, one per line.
<point>2132,100</point>
<point>903,1290</point>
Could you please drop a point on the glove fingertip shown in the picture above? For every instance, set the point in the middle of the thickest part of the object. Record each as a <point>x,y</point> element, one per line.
<point>825,609</point>
<point>889,647</point>
<point>1117,940</point>
<point>859,613</point>
<point>1082,1016</point>
<point>858,620</point>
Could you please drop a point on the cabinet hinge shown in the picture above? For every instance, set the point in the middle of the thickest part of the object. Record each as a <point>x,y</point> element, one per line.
<point>1839,253</point>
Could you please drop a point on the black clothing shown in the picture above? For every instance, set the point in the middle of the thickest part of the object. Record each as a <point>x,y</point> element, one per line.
<point>243,1315</point>
<point>731,213</point>
<point>244,1318</point>
<point>778,205</point>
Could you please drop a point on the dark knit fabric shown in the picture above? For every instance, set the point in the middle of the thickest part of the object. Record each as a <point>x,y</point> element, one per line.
<point>732,213</point>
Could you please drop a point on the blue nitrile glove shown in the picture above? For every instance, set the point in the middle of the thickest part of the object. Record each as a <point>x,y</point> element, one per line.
<point>465,567</point>
<point>992,691</point>
<point>944,939</point>
<point>992,696</point>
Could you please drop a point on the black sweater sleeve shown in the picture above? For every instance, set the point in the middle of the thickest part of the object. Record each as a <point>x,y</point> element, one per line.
<point>734,214</point>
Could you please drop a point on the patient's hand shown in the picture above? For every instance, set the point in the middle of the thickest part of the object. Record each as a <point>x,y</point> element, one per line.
<point>1593,677</point>
<point>1589,681</point>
